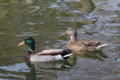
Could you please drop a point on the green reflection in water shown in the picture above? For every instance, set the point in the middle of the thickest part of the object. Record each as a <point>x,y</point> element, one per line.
<point>45,20</point>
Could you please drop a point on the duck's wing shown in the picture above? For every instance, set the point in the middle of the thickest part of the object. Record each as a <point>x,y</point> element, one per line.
<point>50,52</point>
<point>88,42</point>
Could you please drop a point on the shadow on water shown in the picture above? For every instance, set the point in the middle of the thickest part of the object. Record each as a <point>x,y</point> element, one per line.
<point>94,55</point>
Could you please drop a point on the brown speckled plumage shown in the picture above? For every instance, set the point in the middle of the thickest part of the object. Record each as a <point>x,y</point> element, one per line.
<point>83,44</point>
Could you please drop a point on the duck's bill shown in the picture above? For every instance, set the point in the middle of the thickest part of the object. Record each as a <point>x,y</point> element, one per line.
<point>22,43</point>
<point>63,34</point>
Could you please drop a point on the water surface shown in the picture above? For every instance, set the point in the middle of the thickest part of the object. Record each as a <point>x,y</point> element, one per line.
<point>45,20</point>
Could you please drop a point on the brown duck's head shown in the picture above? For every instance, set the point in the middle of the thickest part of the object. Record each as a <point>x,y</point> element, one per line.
<point>70,31</point>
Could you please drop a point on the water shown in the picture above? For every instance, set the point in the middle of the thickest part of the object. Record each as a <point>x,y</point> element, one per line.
<point>46,20</point>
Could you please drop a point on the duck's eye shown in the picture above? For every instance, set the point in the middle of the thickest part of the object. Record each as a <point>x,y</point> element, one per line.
<point>69,30</point>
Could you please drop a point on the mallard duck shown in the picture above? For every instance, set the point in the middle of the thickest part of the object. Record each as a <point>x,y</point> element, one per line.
<point>49,55</point>
<point>83,44</point>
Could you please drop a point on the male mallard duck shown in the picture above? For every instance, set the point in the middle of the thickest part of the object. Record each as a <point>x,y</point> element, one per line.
<point>44,55</point>
<point>83,44</point>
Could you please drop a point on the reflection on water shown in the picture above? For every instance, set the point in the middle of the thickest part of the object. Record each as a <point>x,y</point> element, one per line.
<point>30,70</point>
<point>32,74</point>
<point>45,20</point>
<point>94,55</point>
<point>27,34</point>
<point>51,66</point>
<point>59,65</point>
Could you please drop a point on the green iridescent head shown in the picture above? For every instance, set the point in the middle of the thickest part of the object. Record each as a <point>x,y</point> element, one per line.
<point>29,41</point>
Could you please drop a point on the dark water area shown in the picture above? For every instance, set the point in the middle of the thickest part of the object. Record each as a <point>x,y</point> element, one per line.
<point>45,21</point>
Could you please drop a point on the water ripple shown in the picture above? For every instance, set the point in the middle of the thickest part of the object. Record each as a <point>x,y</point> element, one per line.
<point>27,34</point>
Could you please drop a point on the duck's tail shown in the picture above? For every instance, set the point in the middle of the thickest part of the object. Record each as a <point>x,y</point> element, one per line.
<point>66,54</point>
<point>102,45</point>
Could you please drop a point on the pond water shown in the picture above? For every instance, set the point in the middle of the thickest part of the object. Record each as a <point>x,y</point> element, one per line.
<point>45,21</point>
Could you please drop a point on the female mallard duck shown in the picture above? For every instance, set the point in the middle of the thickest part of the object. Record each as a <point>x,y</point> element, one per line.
<point>49,55</point>
<point>83,44</point>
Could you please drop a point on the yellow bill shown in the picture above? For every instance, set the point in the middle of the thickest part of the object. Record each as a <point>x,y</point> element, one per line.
<point>22,43</point>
